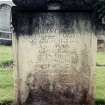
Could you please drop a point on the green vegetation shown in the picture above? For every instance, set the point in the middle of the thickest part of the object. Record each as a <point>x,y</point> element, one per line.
<point>6,86</point>
<point>6,76</point>
<point>5,56</point>
<point>100,78</point>
<point>100,59</point>
<point>100,85</point>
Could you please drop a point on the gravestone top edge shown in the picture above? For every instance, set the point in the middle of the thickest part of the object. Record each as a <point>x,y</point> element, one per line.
<point>9,3</point>
<point>55,4</point>
<point>27,18</point>
<point>29,10</point>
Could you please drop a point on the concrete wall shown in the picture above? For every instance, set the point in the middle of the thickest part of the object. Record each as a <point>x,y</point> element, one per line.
<point>55,58</point>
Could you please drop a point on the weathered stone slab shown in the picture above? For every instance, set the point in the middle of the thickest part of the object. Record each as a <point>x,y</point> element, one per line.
<point>55,58</point>
<point>5,10</point>
<point>63,4</point>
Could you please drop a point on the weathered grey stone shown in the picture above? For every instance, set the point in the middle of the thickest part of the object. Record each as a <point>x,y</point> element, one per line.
<point>54,57</point>
<point>31,4</point>
<point>5,16</point>
<point>10,3</point>
<point>5,12</point>
<point>63,4</point>
<point>6,35</point>
<point>4,41</point>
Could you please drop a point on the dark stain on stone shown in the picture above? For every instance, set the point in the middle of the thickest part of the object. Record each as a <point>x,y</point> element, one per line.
<point>66,95</point>
<point>29,23</point>
<point>45,97</point>
<point>65,4</point>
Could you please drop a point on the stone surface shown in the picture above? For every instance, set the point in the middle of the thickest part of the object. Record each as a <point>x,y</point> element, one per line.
<point>100,33</point>
<point>55,58</point>
<point>63,4</point>
<point>4,41</point>
<point>5,15</point>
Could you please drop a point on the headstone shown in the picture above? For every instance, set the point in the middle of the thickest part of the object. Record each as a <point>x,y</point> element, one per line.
<point>5,15</point>
<point>54,56</point>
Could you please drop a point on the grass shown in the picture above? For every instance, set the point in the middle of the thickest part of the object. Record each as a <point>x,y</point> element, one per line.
<point>100,79</point>
<point>6,86</point>
<point>6,77</point>
<point>100,58</point>
<point>5,54</point>
<point>100,76</point>
<point>100,85</point>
